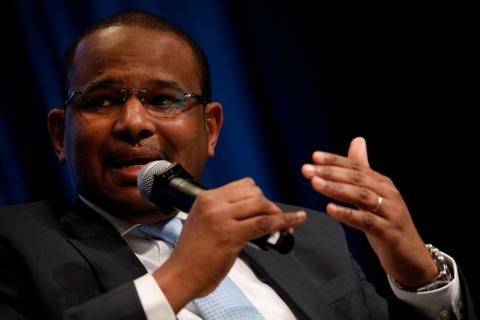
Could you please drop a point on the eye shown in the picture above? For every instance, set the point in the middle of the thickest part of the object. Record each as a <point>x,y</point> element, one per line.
<point>99,99</point>
<point>165,101</point>
<point>95,103</point>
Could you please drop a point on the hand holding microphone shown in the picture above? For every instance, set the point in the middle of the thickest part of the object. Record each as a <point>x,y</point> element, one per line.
<point>169,186</point>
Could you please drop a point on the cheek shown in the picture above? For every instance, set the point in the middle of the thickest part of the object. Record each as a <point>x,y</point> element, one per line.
<point>189,143</point>
<point>83,145</point>
<point>180,135</point>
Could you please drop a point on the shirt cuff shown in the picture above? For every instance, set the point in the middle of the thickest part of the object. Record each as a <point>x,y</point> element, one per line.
<point>432,303</point>
<point>153,301</point>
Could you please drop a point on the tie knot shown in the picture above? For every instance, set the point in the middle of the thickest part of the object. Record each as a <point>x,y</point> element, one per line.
<point>168,231</point>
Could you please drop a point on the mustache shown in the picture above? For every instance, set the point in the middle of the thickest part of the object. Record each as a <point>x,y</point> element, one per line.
<point>163,151</point>
<point>145,150</point>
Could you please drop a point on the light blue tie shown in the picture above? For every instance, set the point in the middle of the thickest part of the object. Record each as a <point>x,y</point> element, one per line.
<point>227,301</point>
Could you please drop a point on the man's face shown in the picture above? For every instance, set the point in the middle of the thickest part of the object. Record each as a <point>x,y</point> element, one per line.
<point>105,153</point>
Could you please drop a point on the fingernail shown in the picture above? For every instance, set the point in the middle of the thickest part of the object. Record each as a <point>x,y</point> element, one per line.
<point>333,207</point>
<point>309,169</point>
<point>319,181</point>
<point>301,214</point>
<point>318,155</point>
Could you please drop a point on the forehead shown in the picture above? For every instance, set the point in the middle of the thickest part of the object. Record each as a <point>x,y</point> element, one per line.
<point>133,56</point>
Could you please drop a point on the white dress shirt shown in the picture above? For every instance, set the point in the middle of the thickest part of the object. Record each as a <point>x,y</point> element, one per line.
<point>153,253</point>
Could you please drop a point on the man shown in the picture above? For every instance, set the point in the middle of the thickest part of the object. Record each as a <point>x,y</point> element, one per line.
<point>137,90</point>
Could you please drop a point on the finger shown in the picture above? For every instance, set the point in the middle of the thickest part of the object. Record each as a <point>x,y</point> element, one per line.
<point>358,151</point>
<point>358,219</point>
<point>245,182</point>
<point>326,158</point>
<point>238,190</point>
<point>261,225</point>
<point>253,207</point>
<point>361,178</point>
<point>360,197</point>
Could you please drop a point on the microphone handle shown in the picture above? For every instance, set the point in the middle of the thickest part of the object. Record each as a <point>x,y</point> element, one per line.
<point>183,193</point>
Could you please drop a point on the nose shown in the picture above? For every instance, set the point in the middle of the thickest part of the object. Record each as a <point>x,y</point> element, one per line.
<point>133,123</point>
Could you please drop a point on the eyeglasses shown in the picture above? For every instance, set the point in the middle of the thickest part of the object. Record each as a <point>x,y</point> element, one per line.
<point>107,98</point>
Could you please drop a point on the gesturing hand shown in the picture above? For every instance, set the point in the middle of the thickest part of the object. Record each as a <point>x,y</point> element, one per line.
<point>381,211</point>
<point>221,222</point>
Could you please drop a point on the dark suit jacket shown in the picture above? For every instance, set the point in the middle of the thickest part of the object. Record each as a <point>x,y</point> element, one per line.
<point>62,261</point>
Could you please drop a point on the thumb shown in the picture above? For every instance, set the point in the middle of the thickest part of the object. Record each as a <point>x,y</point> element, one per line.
<point>358,150</point>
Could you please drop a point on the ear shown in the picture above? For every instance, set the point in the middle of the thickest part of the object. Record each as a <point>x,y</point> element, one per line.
<point>213,123</point>
<point>56,128</point>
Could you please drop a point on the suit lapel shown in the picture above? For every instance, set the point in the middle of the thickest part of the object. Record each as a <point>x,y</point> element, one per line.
<point>115,264</point>
<point>285,274</point>
<point>100,244</point>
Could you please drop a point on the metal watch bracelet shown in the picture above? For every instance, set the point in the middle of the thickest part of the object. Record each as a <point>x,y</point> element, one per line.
<point>443,278</point>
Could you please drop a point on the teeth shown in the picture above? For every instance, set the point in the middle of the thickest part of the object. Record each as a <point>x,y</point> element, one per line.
<point>131,163</point>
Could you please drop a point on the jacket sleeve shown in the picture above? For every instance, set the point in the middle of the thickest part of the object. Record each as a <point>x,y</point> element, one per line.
<point>120,303</point>
<point>18,300</point>
<point>398,309</point>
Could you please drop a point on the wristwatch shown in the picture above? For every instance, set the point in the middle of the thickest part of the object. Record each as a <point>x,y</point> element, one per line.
<point>443,278</point>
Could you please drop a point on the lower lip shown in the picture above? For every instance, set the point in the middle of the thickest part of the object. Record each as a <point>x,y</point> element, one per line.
<point>127,175</point>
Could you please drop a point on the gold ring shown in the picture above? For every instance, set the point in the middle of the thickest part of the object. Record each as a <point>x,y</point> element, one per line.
<point>379,205</point>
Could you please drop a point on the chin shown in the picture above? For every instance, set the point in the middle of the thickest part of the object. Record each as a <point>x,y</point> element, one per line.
<point>139,213</point>
<point>122,203</point>
<point>136,207</point>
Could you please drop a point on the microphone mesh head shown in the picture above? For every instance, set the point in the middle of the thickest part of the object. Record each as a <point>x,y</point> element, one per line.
<point>148,173</point>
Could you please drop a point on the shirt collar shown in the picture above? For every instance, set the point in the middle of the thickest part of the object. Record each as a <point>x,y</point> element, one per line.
<point>123,227</point>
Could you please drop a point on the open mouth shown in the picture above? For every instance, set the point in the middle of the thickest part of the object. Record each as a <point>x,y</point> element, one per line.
<point>129,163</point>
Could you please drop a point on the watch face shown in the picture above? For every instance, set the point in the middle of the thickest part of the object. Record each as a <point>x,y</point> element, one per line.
<point>444,276</point>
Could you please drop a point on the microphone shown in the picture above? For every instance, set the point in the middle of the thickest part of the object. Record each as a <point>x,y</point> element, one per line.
<point>169,186</point>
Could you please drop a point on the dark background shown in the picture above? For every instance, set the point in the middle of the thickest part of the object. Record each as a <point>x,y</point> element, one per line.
<point>292,79</point>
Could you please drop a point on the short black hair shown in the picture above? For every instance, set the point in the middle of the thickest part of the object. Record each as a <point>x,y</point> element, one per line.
<point>144,20</point>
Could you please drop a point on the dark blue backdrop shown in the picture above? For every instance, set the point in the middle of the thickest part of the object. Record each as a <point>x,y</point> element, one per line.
<point>292,79</point>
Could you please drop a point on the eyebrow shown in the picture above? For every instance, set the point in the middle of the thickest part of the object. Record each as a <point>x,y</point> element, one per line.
<point>159,82</point>
<point>156,82</point>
